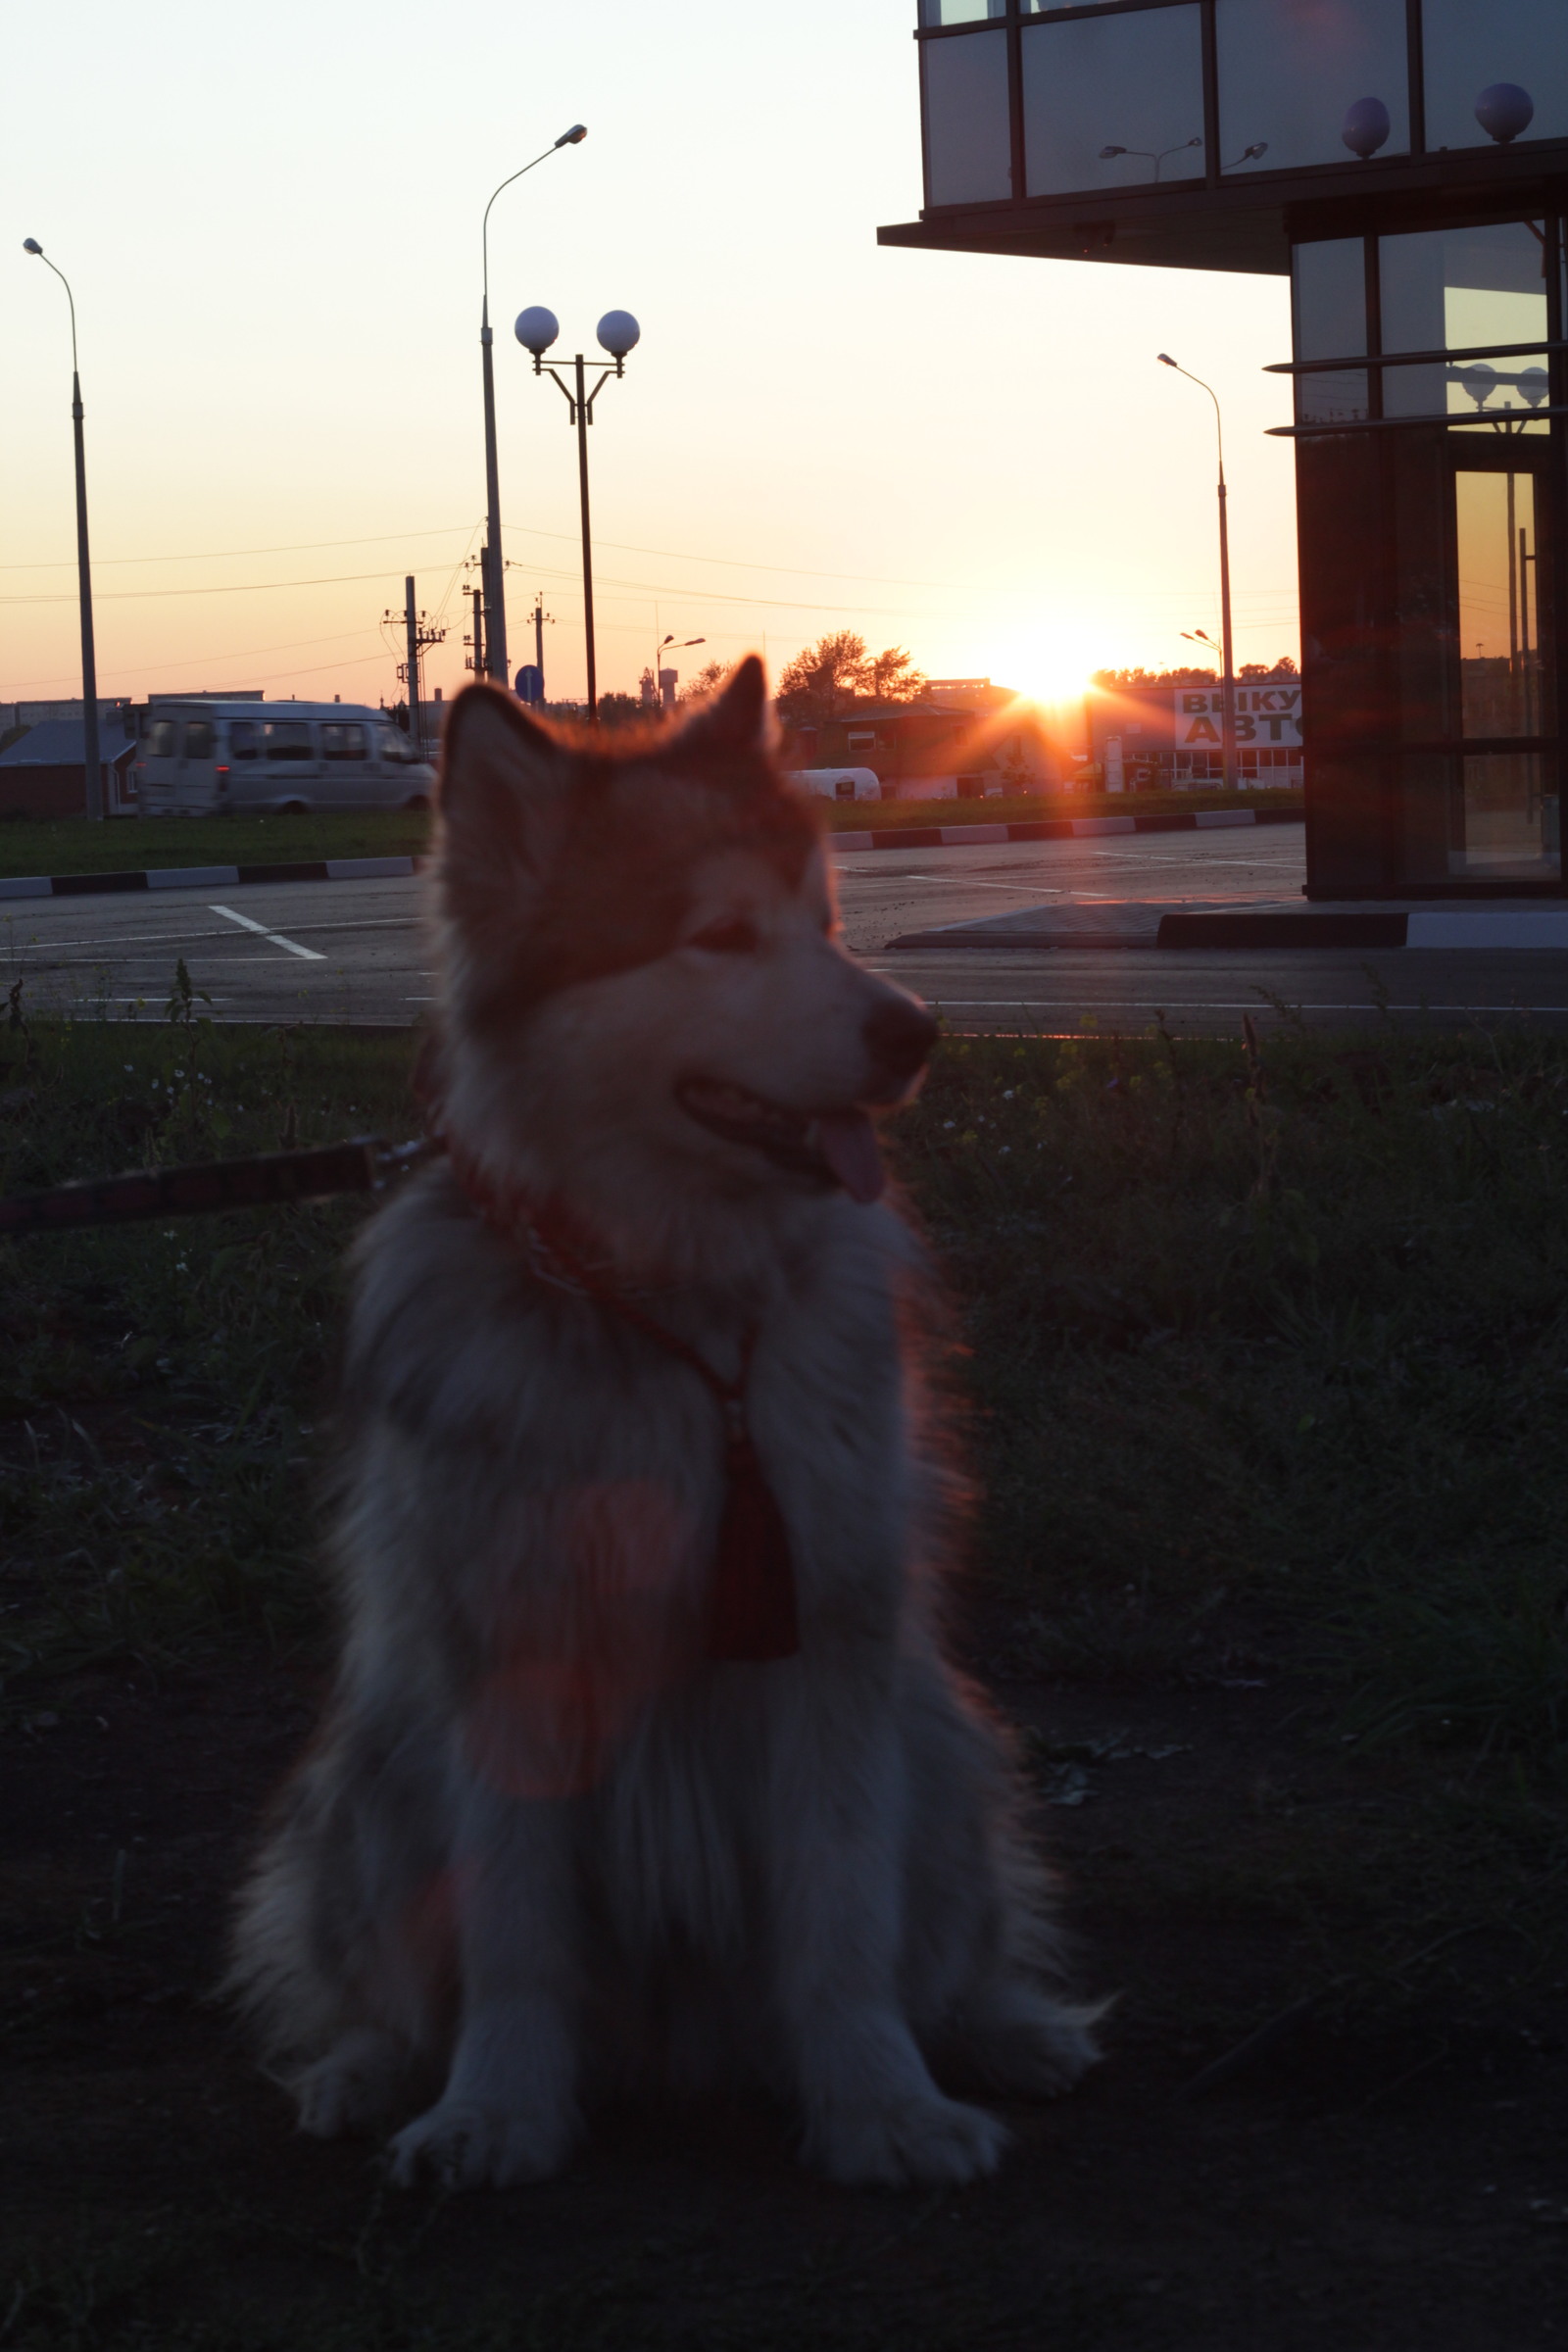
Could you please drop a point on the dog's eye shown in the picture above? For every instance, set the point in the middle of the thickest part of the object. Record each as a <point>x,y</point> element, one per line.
<point>735,935</point>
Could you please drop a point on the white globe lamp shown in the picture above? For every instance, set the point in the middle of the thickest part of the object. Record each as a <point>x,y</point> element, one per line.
<point>537,329</point>
<point>619,332</point>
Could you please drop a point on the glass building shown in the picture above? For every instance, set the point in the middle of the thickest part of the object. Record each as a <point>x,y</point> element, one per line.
<point>1406,161</point>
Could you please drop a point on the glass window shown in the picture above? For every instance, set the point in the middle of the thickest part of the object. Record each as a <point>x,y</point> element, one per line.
<point>1460,288</point>
<point>160,739</point>
<point>968,138</point>
<point>1472,45</point>
<point>340,740</point>
<point>244,739</point>
<point>1328,286</point>
<point>960,11</point>
<point>198,738</point>
<point>1113,102</point>
<point>1500,677</point>
<point>393,745</point>
<point>288,739</point>
<point>1290,71</point>
<point>1510,818</point>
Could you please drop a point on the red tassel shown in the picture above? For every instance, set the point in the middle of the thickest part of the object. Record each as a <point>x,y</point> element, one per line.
<point>753,1581</point>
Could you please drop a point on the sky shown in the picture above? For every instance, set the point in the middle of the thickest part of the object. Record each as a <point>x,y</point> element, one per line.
<point>271,221</point>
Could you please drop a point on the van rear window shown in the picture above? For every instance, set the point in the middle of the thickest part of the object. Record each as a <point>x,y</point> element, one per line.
<point>159,738</point>
<point>289,739</point>
<point>198,738</point>
<point>343,742</point>
<point>244,739</point>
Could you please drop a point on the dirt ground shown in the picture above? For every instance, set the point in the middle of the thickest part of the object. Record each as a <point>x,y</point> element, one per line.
<point>1384,2173</point>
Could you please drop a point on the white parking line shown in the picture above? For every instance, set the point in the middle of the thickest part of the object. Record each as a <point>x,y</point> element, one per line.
<point>310,955</point>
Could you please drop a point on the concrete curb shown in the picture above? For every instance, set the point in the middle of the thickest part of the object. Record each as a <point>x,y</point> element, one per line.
<point>1440,928</point>
<point>1056,828</point>
<point>207,877</point>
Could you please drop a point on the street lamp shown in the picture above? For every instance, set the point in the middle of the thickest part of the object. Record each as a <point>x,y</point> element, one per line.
<point>619,332</point>
<point>1145,156</point>
<point>90,662</point>
<point>1228,677</point>
<point>669,644</point>
<point>492,571</point>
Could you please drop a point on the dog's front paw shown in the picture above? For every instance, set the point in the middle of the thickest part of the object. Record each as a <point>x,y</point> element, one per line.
<point>935,2141</point>
<point>1030,2047</point>
<point>466,2145</point>
<point>356,2084</point>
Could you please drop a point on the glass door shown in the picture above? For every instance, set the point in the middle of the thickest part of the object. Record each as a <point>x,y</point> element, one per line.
<point>1505,825</point>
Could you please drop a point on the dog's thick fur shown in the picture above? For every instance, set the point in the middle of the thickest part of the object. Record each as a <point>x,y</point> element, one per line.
<point>543,1848</point>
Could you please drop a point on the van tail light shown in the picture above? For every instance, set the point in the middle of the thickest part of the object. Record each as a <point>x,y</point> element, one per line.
<point>221,774</point>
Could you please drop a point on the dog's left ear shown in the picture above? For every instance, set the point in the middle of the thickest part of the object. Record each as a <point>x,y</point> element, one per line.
<point>736,725</point>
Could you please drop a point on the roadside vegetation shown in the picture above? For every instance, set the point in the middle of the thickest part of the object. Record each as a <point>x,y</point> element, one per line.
<point>71,846</point>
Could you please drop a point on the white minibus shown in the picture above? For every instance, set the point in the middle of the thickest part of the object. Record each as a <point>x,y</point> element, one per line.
<point>199,758</point>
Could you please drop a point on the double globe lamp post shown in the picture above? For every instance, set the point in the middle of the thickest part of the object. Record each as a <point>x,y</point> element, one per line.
<point>618,334</point>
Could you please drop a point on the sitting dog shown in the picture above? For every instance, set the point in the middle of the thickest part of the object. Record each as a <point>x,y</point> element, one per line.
<point>645,1766</point>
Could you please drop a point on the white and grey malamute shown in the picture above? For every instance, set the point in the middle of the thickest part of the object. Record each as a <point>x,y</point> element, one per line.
<point>645,1765</point>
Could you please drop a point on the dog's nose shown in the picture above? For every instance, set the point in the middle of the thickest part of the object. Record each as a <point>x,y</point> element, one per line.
<point>899,1038</point>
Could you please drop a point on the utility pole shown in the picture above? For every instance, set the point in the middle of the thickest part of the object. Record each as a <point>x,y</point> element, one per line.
<point>417,632</point>
<point>540,616</point>
<point>475,661</point>
<point>92,761</point>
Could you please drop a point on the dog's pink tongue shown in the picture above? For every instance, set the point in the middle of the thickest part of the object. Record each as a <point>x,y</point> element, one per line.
<point>849,1147</point>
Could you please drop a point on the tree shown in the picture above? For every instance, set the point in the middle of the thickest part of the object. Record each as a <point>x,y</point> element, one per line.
<point>1153,677</point>
<point>821,682</point>
<point>1284,667</point>
<point>708,679</point>
<point>891,676</point>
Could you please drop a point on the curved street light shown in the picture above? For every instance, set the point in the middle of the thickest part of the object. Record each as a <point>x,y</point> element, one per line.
<point>618,334</point>
<point>491,568</point>
<point>94,774</point>
<point>1228,677</point>
<point>673,645</point>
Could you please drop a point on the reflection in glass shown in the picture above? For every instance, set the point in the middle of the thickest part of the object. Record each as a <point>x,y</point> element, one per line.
<point>1289,70</point>
<point>1337,397</point>
<point>1500,676</point>
<point>1328,280</point>
<point>1510,824</point>
<point>1472,44</point>
<point>968,140</point>
<point>1110,100</point>
<point>1460,289</point>
<point>960,11</point>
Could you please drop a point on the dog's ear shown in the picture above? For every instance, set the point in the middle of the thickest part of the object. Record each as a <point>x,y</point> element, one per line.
<point>735,726</point>
<point>505,785</point>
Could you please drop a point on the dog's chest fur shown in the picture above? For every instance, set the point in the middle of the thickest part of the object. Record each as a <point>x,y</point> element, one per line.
<point>547,1480</point>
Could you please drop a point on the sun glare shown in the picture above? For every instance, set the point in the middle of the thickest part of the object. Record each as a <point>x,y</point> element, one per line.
<point>1049,662</point>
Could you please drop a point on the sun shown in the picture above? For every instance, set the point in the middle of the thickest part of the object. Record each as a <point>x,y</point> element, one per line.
<point>1047,661</point>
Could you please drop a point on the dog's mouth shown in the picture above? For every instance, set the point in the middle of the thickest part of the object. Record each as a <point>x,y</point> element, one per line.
<point>832,1146</point>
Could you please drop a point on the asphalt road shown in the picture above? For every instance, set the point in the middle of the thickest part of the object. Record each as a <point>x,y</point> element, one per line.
<point>354,952</point>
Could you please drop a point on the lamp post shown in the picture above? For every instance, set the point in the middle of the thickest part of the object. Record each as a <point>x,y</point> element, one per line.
<point>89,660</point>
<point>492,571</point>
<point>619,332</point>
<point>1228,672</point>
<point>1145,155</point>
<point>669,644</point>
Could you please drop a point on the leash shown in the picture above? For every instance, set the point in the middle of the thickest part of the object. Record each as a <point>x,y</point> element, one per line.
<point>271,1180</point>
<point>753,1608</point>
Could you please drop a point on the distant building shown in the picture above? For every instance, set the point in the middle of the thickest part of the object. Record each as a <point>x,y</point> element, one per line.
<point>1167,738</point>
<point>43,772</point>
<point>963,739</point>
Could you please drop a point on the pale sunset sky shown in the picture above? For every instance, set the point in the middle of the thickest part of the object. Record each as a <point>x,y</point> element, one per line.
<point>270,220</point>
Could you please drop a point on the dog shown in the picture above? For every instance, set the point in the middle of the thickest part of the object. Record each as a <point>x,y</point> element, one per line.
<point>645,1767</point>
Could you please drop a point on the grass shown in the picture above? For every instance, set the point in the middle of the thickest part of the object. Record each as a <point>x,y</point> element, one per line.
<point>72,846</point>
<point>1281,1327</point>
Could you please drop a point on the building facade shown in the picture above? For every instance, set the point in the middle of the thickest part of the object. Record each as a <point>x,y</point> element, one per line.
<point>1406,163</point>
